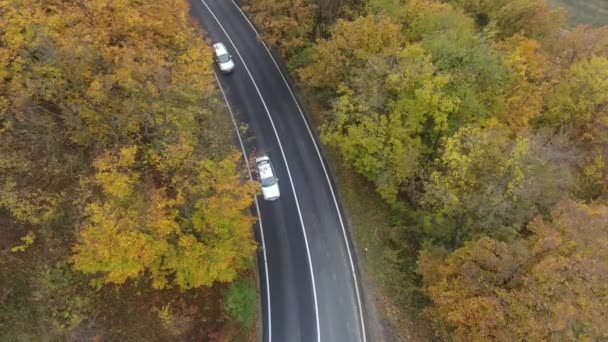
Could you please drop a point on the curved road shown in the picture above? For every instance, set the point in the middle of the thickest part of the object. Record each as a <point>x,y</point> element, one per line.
<point>309,280</point>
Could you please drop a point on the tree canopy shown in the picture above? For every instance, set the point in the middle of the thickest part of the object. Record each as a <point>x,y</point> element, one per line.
<point>549,285</point>
<point>137,229</point>
<point>389,137</point>
<point>487,182</point>
<point>115,164</point>
<point>474,120</point>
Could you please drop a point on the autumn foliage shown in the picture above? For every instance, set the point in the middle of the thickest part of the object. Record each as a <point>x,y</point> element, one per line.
<point>483,125</point>
<point>549,285</point>
<point>115,157</point>
<point>136,229</point>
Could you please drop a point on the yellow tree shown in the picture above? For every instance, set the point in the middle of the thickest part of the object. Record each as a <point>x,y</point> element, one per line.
<point>286,24</point>
<point>351,45</point>
<point>526,94</point>
<point>138,230</point>
<point>77,76</point>
<point>126,233</point>
<point>579,103</point>
<point>216,241</point>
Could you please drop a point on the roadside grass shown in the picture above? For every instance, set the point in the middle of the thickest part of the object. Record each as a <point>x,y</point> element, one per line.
<point>388,272</point>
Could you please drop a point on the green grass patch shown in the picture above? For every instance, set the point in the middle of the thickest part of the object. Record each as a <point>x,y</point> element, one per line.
<point>241,301</point>
<point>388,7</point>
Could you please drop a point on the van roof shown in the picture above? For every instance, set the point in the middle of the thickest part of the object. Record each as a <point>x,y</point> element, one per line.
<point>220,49</point>
<point>264,168</point>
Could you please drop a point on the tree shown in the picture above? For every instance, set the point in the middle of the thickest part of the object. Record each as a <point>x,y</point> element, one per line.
<point>386,139</point>
<point>533,18</point>
<point>549,285</point>
<point>64,300</point>
<point>138,230</point>
<point>592,180</point>
<point>114,161</point>
<point>216,241</point>
<point>478,74</point>
<point>242,302</point>
<point>126,233</point>
<point>331,10</point>
<point>291,25</point>
<point>568,47</point>
<point>286,24</point>
<point>84,77</point>
<point>123,50</point>
<point>78,77</point>
<point>528,89</point>
<point>351,45</point>
<point>579,103</point>
<point>489,182</point>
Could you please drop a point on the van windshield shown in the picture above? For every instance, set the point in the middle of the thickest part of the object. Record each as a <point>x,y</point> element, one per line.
<point>269,181</point>
<point>223,58</point>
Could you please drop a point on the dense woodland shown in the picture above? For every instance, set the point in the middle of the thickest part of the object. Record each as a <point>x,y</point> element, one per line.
<point>483,126</point>
<point>123,204</point>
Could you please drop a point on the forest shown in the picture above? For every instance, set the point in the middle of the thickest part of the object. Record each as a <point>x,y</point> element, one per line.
<point>482,126</point>
<point>469,140</point>
<point>124,208</point>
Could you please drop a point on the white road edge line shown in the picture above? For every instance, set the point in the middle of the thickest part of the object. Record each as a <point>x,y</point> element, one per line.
<point>352,264</point>
<point>312,273</point>
<point>257,207</point>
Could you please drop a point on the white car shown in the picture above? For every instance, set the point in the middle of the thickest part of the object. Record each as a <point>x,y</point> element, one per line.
<point>223,58</point>
<point>268,178</point>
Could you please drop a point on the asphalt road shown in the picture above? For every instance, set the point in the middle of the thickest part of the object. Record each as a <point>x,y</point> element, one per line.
<point>309,284</point>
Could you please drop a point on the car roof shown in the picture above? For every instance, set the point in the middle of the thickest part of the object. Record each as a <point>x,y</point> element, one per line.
<point>220,49</point>
<point>264,168</point>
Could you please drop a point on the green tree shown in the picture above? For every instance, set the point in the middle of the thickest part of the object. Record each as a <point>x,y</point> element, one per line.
<point>489,182</point>
<point>592,180</point>
<point>478,74</point>
<point>549,285</point>
<point>241,301</point>
<point>387,141</point>
<point>63,299</point>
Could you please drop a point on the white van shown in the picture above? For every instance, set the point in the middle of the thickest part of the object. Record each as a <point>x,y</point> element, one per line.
<point>223,58</point>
